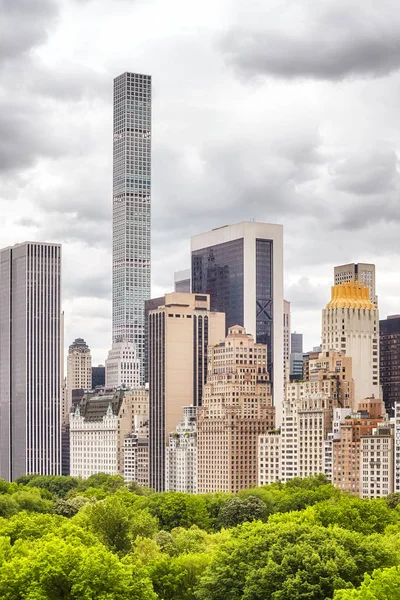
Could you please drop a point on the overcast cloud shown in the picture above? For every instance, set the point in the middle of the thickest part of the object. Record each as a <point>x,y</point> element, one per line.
<point>278,111</point>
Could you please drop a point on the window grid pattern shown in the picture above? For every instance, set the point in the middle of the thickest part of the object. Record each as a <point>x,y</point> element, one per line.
<point>131,207</point>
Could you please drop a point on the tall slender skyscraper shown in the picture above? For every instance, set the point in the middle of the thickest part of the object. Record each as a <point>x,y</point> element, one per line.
<point>131,207</point>
<point>30,360</point>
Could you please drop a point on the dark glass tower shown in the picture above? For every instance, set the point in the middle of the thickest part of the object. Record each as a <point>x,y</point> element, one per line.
<point>241,267</point>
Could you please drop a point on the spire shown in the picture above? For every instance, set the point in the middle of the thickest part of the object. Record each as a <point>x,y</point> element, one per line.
<point>109,412</point>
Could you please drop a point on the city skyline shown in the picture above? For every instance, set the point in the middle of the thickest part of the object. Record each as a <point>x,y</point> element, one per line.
<point>238,139</point>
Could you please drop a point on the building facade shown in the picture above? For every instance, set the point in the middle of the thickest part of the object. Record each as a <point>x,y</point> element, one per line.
<point>94,444</point>
<point>350,324</point>
<point>241,267</point>
<point>298,450</point>
<point>30,360</point>
<point>296,342</point>
<point>181,455</point>
<point>79,370</point>
<point>179,334</point>
<point>131,208</point>
<point>123,366</point>
<point>377,462</point>
<point>363,273</point>
<point>346,447</point>
<point>389,360</point>
<point>237,409</point>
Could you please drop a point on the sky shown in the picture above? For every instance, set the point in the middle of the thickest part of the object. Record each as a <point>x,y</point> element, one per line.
<point>279,111</point>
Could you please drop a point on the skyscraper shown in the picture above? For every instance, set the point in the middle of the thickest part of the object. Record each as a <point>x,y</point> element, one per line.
<point>131,207</point>
<point>362,272</point>
<point>241,267</point>
<point>389,358</point>
<point>237,408</point>
<point>350,324</point>
<point>30,360</point>
<point>179,334</point>
<point>79,371</point>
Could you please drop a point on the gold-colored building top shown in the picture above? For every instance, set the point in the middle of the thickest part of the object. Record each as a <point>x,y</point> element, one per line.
<point>350,295</point>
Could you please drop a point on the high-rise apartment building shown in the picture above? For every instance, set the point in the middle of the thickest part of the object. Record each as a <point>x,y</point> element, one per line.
<point>241,267</point>
<point>179,334</point>
<point>131,207</point>
<point>123,367</point>
<point>389,360</point>
<point>30,360</point>
<point>79,370</point>
<point>350,324</point>
<point>346,448</point>
<point>237,408</point>
<point>181,455</point>
<point>363,273</point>
<point>377,462</point>
<point>298,450</point>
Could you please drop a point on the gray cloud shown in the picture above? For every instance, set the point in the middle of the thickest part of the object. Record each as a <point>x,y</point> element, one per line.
<point>373,172</point>
<point>333,40</point>
<point>24,24</point>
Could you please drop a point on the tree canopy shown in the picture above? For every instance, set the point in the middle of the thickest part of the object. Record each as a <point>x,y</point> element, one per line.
<point>67,538</point>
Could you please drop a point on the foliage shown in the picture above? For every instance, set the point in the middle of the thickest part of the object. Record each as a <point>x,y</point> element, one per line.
<point>384,584</point>
<point>68,538</point>
<point>176,509</point>
<point>239,510</point>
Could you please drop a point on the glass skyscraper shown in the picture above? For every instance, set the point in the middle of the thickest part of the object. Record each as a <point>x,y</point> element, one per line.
<point>131,208</point>
<point>241,267</point>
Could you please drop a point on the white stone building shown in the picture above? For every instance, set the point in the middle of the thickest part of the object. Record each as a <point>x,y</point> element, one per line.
<point>123,366</point>
<point>93,445</point>
<point>180,455</point>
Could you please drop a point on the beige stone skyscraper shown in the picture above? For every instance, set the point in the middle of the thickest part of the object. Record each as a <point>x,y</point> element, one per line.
<point>179,333</point>
<point>237,408</point>
<point>79,371</point>
<point>350,324</point>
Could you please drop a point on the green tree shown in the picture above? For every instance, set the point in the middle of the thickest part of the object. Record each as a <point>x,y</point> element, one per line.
<point>70,506</point>
<point>142,524</point>
<point>383,584</point>
<point>29,526</point>
<point>176,509</point>
<point>31,500</point>
<point>271,560</point>
<point>109,519</point>
<point>57,485</point>
<point>239,510</point>
<point>54,569</point>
